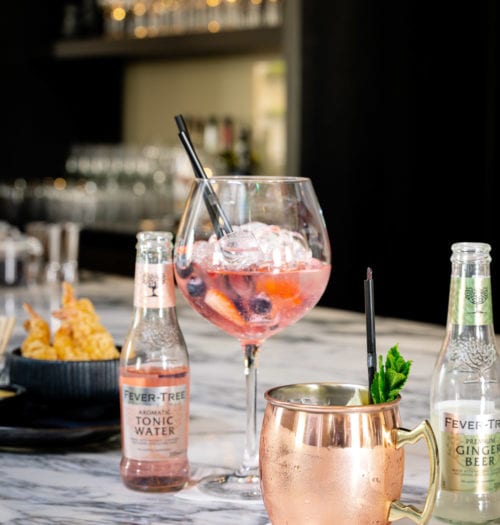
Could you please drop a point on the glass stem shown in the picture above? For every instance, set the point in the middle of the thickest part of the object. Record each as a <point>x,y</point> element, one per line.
<point>251,453</point>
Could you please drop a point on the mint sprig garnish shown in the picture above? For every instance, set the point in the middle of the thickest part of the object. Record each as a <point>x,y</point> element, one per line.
<point>390,377</point>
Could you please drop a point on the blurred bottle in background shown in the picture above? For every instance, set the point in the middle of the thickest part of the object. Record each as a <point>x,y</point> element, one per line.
<point>153,18</point>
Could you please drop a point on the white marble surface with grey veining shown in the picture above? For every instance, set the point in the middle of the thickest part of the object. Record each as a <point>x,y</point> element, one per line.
<point>82,485</point>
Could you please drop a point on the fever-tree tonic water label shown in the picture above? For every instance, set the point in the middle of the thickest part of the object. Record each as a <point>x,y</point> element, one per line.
<point>155,421</point>
<point>470,444</point>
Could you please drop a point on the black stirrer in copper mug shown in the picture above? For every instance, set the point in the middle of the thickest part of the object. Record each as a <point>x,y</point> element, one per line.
<point>370,329</point>
<point>221,223</point>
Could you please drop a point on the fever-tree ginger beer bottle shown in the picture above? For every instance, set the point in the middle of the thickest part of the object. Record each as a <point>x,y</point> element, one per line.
<point>154,376</point>
<point>465,395</point>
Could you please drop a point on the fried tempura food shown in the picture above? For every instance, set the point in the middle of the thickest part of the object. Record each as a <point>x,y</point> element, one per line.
<point>80,336</point>
<point>90,339</point>
<point>37,342</point>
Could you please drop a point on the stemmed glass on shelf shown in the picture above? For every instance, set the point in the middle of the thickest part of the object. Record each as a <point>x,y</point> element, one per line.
<point>252,255</point>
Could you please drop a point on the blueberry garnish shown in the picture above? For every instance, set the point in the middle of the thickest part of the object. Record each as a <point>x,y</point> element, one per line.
<point>240,306</point>
<point>260,305</point>
<point>182,269</point>
<point>196,287</point>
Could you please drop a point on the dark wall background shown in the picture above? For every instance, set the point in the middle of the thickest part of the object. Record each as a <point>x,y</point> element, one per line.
<point>400,135</point>
<point>50,104</point>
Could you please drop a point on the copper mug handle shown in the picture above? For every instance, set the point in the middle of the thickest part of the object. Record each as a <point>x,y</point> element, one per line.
<point>399,510</point>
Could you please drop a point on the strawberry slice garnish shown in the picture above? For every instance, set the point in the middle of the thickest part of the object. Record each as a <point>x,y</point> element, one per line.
<point>224,306</point>
<point>281,287</point>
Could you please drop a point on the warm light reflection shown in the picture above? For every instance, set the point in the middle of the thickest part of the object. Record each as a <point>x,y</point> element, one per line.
<point>213,3</point>
<point>147,224</point>
<point>139,9</point>
<point>140,32</point>
<point>213,26</point>
<point>158,8</point>
<point>59,183</point>
<point>118,14</point>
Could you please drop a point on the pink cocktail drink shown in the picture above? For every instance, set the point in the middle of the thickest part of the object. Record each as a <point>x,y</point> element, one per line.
<point>252,256</point>
<point>253,305</point>
<point>254,281</point>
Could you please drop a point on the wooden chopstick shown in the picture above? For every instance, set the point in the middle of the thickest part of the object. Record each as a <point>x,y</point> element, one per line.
<point>6,327</point>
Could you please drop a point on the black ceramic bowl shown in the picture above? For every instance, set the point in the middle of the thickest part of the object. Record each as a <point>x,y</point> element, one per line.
<point>78,382</point>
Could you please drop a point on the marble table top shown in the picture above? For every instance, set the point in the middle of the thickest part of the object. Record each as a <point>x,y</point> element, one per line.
<point>81,485</point>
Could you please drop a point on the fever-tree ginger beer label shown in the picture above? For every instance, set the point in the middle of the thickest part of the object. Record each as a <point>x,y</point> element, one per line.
<point>471,447</point>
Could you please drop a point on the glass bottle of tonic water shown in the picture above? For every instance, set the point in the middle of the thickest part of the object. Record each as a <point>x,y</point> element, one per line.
<point>154,376</point>
<point>465,395</point>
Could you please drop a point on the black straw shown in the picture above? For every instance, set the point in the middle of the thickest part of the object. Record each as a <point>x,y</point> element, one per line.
<point>370,328</point>
<point>219,220</point>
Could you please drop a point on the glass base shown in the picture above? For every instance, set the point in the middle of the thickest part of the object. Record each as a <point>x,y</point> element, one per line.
<point>232,487</point>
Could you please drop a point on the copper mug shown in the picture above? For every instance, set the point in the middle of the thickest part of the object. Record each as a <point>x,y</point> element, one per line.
<point>327,459</point>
